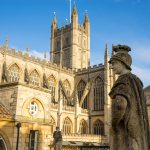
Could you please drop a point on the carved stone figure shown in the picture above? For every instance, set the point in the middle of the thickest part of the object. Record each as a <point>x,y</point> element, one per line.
<point>45,83</point>
<point>26,77</point>
<point>130,128</point>
<point>57,139</point>
<point>5,76</point>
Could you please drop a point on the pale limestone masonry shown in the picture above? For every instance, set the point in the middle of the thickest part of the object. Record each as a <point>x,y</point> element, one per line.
<point>17,96</point>
<point>70,45</point>
<point>81,91</point>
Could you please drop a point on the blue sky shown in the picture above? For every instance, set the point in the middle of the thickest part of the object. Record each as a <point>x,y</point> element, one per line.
<point>27,24</point>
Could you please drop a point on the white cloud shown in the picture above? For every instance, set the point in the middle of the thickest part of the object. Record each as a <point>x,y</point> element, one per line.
<point>141,53</point>
<point>39,54</point>
<point>143,74</point>
<point>35,53</point>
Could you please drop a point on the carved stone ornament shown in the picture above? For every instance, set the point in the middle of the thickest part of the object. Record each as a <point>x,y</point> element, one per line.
<point>26,77</point>
<point>5,76</point>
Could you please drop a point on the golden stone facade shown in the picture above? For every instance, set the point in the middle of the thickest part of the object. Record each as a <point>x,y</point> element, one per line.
<point>65,91</point>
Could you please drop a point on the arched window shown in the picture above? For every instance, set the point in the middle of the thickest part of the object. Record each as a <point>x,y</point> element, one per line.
<point>34,78</point>
<point>67,87</point>
<point>52,85</point>
<point>33,108</point>
<point>98,94</point>
<point>83,127</point>
<point>80,89</point>
<point>14,73</point>
<point>2,144</point>
<point>67,126</point>
<point>98,127</point>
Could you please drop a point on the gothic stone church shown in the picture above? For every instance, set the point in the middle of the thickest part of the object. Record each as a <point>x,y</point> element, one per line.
<point>36,95</point>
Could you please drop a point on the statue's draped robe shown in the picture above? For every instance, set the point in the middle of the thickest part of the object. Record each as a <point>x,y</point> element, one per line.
<point>131,132</point>
<point>57,140</point>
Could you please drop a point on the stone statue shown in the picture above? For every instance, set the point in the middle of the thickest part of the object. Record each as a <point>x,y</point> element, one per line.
<point>57,139</point>
<point>130,128</point>
<point>5,76</point>
<point>45,83</point>
<point>26,76</point>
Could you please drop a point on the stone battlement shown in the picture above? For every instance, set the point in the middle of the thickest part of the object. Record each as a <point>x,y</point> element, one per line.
<point>27,56</point>
<point>63,30</point>
<point>90,68</point>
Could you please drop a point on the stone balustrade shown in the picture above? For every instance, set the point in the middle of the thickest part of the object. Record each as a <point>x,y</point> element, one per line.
<point>84,111</point>
<point>68,108</point>
<point>84,138</point>
<point>54,106</point>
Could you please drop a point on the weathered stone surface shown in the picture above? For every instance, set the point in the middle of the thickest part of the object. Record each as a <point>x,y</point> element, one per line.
<point>130,128</point>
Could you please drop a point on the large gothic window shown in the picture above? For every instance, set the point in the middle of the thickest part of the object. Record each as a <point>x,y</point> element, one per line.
<point>98,94</point>
<point>67,87</point>
<point>34,78</point>
<point>2,144</point>
<point>80,89</point>
<point>83,127</point>
<point>67,126</point>
<point>52,85</point>
<point>14,73</point>
<point>98,127</point>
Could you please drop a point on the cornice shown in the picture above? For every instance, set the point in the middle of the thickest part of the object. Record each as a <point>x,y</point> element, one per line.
<point>14,84</point>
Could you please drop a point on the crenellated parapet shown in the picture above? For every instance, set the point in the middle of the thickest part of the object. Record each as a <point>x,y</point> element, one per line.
<point>62,30</point>
<point>90,69</point>
<point>27,57</point>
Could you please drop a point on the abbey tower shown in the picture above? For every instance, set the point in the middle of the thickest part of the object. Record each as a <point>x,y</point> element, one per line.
<point>70,45</point>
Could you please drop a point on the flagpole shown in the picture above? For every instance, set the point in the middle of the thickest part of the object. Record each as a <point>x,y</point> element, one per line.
<point>70,11</point>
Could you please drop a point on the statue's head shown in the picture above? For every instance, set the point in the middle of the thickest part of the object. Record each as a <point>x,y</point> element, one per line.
<point>57,128</point>
<point>121,55</point>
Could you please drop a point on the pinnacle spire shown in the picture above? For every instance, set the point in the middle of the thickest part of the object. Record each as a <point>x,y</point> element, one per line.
<point>44,54</point>
<point>27,50</point>
<point>106,54</point>
<point>74,17</point>
<point>54,19</point>
<point>86,16</point>
<point>74,12</point>
<point>54,22</point>
<point>6,43</point>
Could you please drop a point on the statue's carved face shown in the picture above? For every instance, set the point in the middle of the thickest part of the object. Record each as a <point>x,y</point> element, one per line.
<point>57,129</point>
<point>118,67</point>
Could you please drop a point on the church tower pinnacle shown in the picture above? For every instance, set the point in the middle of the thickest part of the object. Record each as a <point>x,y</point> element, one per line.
<point>70,44</point>
<point>86,24</point>
<point>53,30</point>
<point>74,17</point>
<point>54,22</point>
<point>106,57</point>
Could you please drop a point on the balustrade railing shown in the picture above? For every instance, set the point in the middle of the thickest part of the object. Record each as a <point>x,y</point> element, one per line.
<point>84,137</point>
<point>68,108</point>
<point>54,106</point>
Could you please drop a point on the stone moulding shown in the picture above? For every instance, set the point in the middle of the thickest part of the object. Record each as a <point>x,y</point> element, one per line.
<point>40,88</point>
